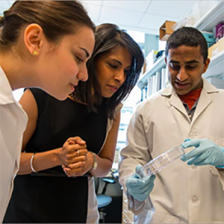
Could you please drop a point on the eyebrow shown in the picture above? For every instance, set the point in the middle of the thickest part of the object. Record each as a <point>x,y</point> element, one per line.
<point>188,62</point>
<point>117,61</point>
<point>87,53</point>
<point>129,66</point>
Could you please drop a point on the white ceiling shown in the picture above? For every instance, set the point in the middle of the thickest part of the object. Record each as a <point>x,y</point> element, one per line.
<point>142,15</point>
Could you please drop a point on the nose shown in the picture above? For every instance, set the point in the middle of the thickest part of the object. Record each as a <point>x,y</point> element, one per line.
<point>120,76</point>
<point>82,74</point>
<point>182,75</point>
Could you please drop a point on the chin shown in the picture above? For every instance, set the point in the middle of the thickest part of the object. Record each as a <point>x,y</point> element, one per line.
<point>59,96</point>
<point>184,92</point>
<point>62,98</point>
<point>107,95</point>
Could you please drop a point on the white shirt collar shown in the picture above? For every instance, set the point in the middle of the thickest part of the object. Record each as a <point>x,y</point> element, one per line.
<point>6,96</point>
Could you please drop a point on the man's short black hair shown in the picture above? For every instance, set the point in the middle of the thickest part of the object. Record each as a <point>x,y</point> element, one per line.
<point>187,36</point>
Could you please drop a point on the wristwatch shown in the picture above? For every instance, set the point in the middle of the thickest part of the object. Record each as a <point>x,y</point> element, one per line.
<point>95,163</point>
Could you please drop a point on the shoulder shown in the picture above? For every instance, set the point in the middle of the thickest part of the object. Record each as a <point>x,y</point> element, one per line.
<point>42,99</point>
<point>118,109</point>
<point>150,103</point>
<point>38,93</point>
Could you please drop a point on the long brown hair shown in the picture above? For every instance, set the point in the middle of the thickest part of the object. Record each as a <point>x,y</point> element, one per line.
<point>57,18</point>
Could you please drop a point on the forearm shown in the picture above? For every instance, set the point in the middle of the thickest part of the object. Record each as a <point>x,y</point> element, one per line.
<point>103,167</point>
<point>41,161</point>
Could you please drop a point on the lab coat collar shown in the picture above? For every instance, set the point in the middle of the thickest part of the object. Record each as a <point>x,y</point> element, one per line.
<point>203,102</point>
<point>205,98</point>
<point>6,96</point>
<point>207,86</point>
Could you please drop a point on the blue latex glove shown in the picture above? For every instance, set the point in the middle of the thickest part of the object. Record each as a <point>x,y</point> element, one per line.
<point>138,187</point>
<point>206,152</point>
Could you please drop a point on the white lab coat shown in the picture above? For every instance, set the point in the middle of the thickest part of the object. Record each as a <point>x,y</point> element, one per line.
<point>182,193</point>
<point>13,122</point>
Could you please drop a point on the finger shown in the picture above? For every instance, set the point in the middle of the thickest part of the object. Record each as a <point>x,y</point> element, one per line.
<point>75,160</point>
<point>197,160</point>
<point>77,140</point>
<point>147,189</point>
<point>145,184</point>
<point>71,142</point>
<point>150,179</point>
<point>78,153</point>
<point>73,148</point>
<point>76,165</point>
<point>73,172</point>
<point>81,152</point>
<point>202,163</point>
<point>193,142</point>
<point>193,153</point>
<point>140,197</point>
<point>135,183</point>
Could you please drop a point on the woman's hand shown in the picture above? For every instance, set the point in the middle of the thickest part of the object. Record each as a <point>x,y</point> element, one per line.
<point>73,152</point>
<point>76,169</point>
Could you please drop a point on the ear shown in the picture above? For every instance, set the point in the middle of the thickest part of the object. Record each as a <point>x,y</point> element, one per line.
<point>206,64</point>
<point>165,60</point>
<point>33,38</point>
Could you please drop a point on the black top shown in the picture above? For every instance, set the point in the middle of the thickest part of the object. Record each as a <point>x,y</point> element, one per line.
<point>60,120</point>
<point>57,198</point>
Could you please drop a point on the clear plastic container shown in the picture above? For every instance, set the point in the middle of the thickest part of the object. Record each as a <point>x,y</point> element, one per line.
<point>161,161</point>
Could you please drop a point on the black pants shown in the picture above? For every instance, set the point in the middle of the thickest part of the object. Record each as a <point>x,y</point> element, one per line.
<point>38,199</point>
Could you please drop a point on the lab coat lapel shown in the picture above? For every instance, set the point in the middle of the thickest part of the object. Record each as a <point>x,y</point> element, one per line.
<point>175,101</point>
<point>204,100</point>
<point>203,103</point>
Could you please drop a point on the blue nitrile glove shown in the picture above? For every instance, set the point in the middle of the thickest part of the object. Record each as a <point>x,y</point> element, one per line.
<point>206,152</point>
<point>138,187</point>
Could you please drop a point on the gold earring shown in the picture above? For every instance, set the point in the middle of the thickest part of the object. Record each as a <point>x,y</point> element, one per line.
<point>35,52</point>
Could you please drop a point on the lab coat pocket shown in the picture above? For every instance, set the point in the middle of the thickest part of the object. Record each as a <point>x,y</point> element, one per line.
<point>164,218</point>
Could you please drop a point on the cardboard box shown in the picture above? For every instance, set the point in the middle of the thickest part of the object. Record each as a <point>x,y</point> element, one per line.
<point>165,30</point>
<point>216,48</point>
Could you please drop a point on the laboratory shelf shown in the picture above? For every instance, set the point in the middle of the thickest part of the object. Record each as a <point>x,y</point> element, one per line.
<point>157,66</point>
<point>216,66</point>
<point>206,23</point>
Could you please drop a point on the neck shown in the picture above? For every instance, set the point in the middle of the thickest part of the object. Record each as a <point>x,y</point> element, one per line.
<point>18,71</point>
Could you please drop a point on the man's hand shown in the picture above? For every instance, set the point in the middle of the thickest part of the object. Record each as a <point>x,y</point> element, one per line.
<point>206,152</point>
<point>140,188</point>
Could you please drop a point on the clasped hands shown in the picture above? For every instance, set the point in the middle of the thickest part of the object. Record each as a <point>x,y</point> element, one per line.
<point>74,157</point>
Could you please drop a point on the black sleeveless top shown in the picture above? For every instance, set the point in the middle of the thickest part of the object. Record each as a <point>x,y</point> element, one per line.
<point>56,198</point>
<point>59,120</point>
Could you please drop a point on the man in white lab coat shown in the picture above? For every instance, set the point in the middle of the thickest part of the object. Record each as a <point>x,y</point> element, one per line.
<point>191,189</point>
